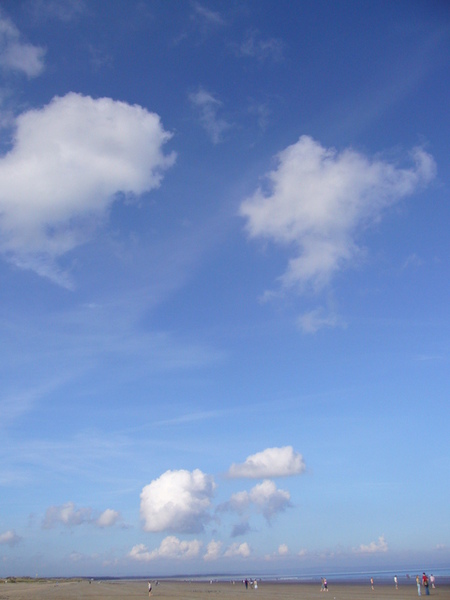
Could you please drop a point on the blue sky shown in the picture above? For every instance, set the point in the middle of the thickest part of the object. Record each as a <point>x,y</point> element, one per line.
<point>224,261</point>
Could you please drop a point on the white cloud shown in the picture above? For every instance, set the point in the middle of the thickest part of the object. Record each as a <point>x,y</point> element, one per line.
<point>66,514</point>
<point>108,518</point>
<point>208,107</point>
<point>312,321</point>
<point>272,462</point>
<point>373,547</point>
<point>265,496</point>
<point>16,54</point>
<point>171,548</point>
<point>9,538</point>
<point>213,550</point>
<point>178,501</point>
<point>319,201</point>
<point>68,162</point>
<point>208,16</point>
<point>283,550</point>
<point>236,549</point>
<point>262,49</point>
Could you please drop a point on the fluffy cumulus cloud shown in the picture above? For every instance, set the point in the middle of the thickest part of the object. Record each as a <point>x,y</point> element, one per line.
<point>178,501</point>
<point>170,548</point>
<point>213,550</point>
<point>318,201</point>
<point>67,514</point>
<point>272,462</point>
<point>16,54</point>
<point>242,550</point>
<point>265,497</point>
<point>374,547</point>
<point>108,518</point>
<point>69,161</point>
<point>9,538</point>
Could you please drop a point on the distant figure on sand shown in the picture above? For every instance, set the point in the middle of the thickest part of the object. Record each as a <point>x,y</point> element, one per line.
<point>149,588</point>
<point>371,583</point>
<point>419,593</point>
<point>325,584</point>
<point>322,587</point>
<point>396,582</point>
<point>432,581</point>
<point>425,584</point>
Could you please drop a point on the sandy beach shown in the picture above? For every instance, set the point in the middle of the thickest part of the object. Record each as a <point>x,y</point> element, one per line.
<point>170,590</point>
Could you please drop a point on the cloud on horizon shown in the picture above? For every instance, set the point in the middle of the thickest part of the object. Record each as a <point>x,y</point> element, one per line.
<point>170,548</point>
<point>374,547</point>
<point>68,163</point>
<point>318,201</point>
<point>178,501</point>
<point>272,462</point>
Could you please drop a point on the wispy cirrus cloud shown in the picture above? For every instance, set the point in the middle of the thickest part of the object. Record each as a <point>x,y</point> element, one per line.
<point>208,107</point>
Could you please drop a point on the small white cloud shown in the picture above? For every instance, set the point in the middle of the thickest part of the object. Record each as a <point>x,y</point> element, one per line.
<point>319,201</point>
<point>208,107</point>
<point>265,497</point>
<point>178,501</point>
<point>9,538</point>
<point>283,550</point>
<point>254,46</point>
<point>272,462</point>
<point>16,54</point>
<point>373,547</point>
<point>67,515</point>
<point>207,16</point>
<point>170,548</point>
<point>312,321</point>
<point>68,163</point>
<point>236,549</point>
<point>108,518</point>
<point>213,550</point>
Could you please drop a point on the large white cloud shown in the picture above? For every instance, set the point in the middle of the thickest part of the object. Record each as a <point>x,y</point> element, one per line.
<point>318,201</point>
<point>265,497</point>
<point>16,54</point>
<point>68,162</point>
<point>178,501</point>
<point>272,462</point>
<point>171,547</point>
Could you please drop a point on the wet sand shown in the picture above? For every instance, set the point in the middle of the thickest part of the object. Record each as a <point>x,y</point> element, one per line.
<point>170,590</point>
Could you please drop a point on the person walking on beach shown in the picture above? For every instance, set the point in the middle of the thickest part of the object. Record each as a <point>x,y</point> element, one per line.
<point>325,584</point>
<point>419,593</point>
<point>425,584</point>
<point>396,582</point>
<point>149,589</point>
<point>432,581</point>
<point>371,583</point>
